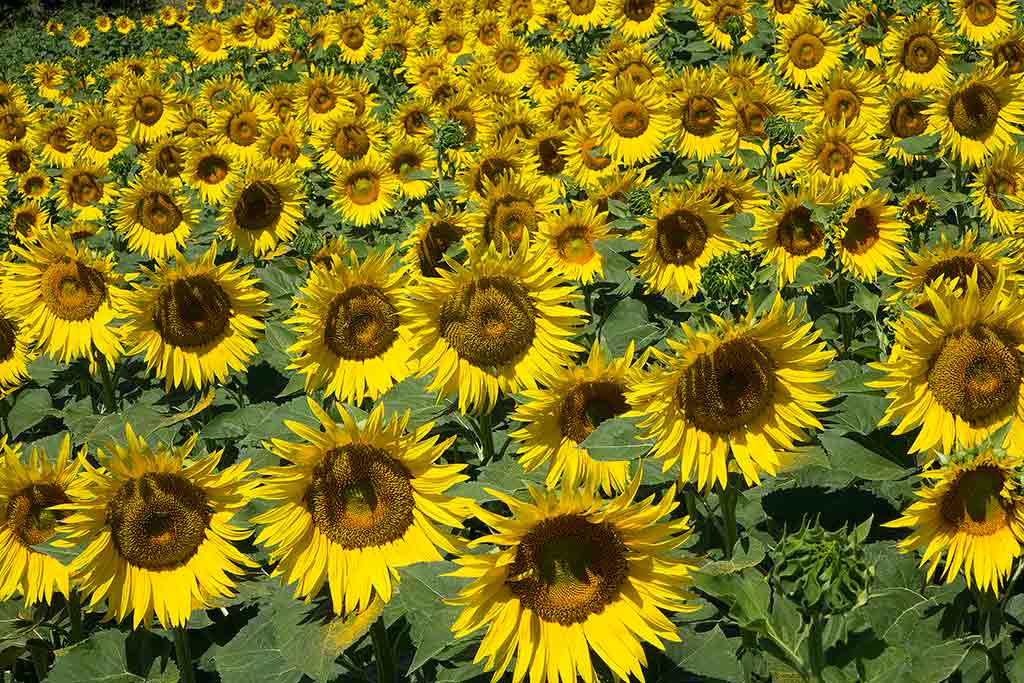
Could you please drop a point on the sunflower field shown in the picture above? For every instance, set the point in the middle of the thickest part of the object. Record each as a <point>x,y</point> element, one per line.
<point>542,341</point>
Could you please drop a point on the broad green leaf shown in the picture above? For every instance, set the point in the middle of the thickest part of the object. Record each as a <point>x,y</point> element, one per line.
<point>411,394</point>
<point>259,422</point>
<point>858,413</point>
<point>747,553</point>
<point>616,439</point>
<point>919,144</point>
<point>810,273</point>
<point>145,418</point>
<point>102,659</point>
<point>421,593</point>
<point>706,653</point>
<point>746,592</point>
<point>31,407</point>
<point>626,322</point>
<point>847,455</point>
<point>505,475</point>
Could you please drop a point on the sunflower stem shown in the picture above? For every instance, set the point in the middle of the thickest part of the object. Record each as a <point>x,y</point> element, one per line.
<point>769,173</point>
<point>729,497</point>
<point>382,652</point>
<point>75,615</point>
<point>40,660</point>
<point>108,386</point>
<point>184,655</point>
<point>816,648</point>
<point>991,618</point>
<point>486,436</point>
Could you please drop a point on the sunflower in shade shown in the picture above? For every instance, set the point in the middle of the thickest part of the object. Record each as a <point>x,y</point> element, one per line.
<point>28,491</point>
<point>748,389</point>
<point>987,260</point>
<point>918,51</point>
<point>499,322</point>
<point>437,233</point>
<point>957,373</point>
<point>788,233</point>
<point>84,191</point>
<point>573,573</point>
<point>352,337</point>
<point>908,110</point>
<point>156,529</point>
<point>556,419</point>
<point>970,510</point>
<point>870,237</point>
<point>510,209</point>
<point>998,183</point>
<point>686,230</point>
<point>1008,51</point>
<point>263,209</point>
<point>155,216</point>
<point>355,503</point>
<point>65,298</point>
<point>978,114</point>
<point>195,321</point>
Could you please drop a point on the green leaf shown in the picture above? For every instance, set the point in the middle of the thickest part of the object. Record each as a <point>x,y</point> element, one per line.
<point>146,420</point>
<point>706,653</point>
<point>259,422</point>
<point>747,553</point>
<point>810,273</point>
<point>746,592</point>
<point>31,407</point>
<point>616,439</point>
<point>412,395</point>
<point>740,227</point>
<point>505,475</point>
<point>847,455</point>
<point>751,159</point>
<point>421,593</point>
<point>858,413</point>
<point>101,659</point>
<point>919,144</point>
<point>627,322</point>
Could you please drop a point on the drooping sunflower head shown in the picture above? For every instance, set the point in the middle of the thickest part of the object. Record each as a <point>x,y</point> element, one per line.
<point>368,497</point>
<point>484,326</point>
<point>919,51</point>
<point>159,520</point>
<point>263,209</point>
<point>870,238</point>
<point>567,562</point>
<point>908,115</point>
<point>196,320</point>
<point>986,261</point>
<point>435,235</point>
<point>978,114</point>
<point>684,233</point>
<point>789,234</point>
<point>28,492</point>
<point>1008,51</point>
<point>971,511</point>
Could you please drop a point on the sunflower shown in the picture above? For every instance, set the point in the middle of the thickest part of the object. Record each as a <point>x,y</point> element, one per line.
<point>17,156</point>
<point>354,34</point>
<point>972,512</point>
<point>364,191</point>
<point>746,112</point>
<point>571,573</point>
<point>283,142</point>
<point>788,234</point>
<point>166,159</point>
<point>870,237</point>
<point>982,21</point>
<point>566,107</point>
<point>696,113</point>
<point>218,92</point>
<point>638,19</point>
<point>515,119</point>
<point>265,30</point>
<point>54,139</point>
<point>510,60</point>
<point>731,192</point>
<point>351,335</point>
<point>847,96</point>
<point>583,14</point>
<point>348,138</point>
<point>65,299</point>
<point>412,162</point>
<point>79,36</point>
<point>683,234</point>
<point>27,492</point>
<point>155,217</point>
<point>357,502</point>
<point>957,374</point>
<point>749,388</point>
<point>546,151</point>
<point>263,209</point>
<point>1009,51</point>
<point>47,78</point>
<point>359,94</point>
<point>197,321</point>
<point>908,116</point>
<point>957,264</point>
<point>866,29</point>
<point>210,170</point>
<point>412,117</point>
<point>978,114</point>
<point>1000,179</point>
<point>808,51</point>
<point>84,192</point>
<point>30,220</point>
<point>633,120</point>
<point>240,124</point>
<point>512,208</point>
<point>550,70</point>
<point>919,51</point>
<point>209,42</point>
<point>500,322</point>
<point>784,13</point>
<point>836,157</point>
<point>587,162</point>
<point>149,110</point>
<point>157,530</point>
<point>556,419</point>
<point>570,237</point>
<point>714,19</point>
<point>35,184</point>
<point>435,235</point>
<point>98,133</point>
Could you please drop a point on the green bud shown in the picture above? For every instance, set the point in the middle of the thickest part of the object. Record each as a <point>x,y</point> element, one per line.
<point>735,28</point>
<point>449,135</point>
<point>825,572</point>
<point>728,278</point>
<point>779,130</point>
<point>639,201</point>
<point>307,242</point>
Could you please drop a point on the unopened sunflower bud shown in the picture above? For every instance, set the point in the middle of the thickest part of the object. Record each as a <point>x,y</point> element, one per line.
<point>639,201</point>
<point>728,277</point>
<point>449,135</point>
<point>779,130</point>
<point>735,28</point>
<point>824,571</point>
<point>306,242</point>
